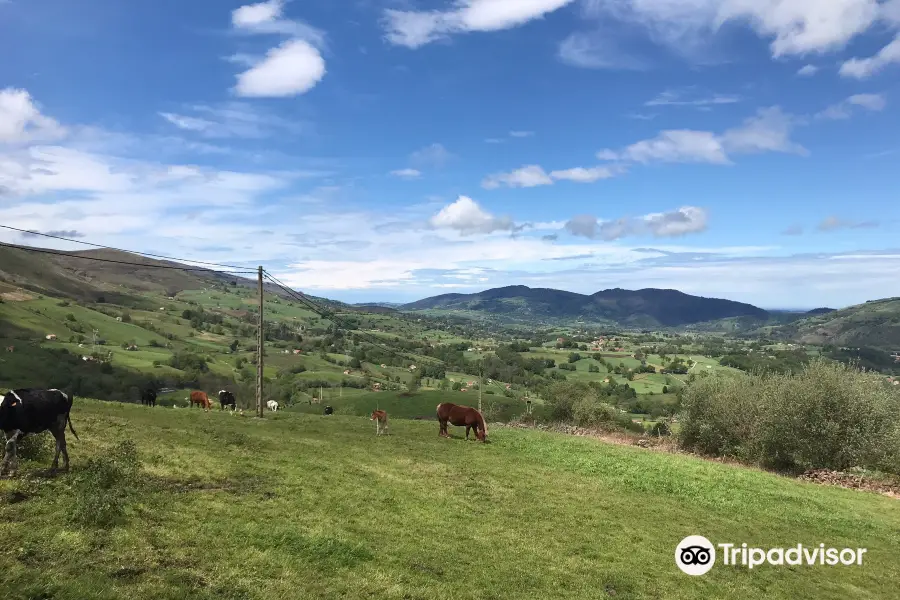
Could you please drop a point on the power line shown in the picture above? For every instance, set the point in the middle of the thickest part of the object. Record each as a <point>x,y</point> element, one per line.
<point>65,239</point>
<point>299,296</point>
<point>119,262</point>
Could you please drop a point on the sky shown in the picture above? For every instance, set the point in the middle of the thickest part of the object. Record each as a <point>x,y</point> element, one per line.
<point>390,150</point>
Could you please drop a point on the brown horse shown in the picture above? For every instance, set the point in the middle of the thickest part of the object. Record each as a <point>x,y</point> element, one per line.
<point>461,416</point>
<point>381,421</point>
<point>200,399</point>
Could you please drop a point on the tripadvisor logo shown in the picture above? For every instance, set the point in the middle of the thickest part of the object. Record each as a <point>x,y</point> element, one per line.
<point>696,555</point>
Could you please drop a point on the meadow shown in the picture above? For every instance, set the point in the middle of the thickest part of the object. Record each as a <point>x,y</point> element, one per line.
<point>307,506</point>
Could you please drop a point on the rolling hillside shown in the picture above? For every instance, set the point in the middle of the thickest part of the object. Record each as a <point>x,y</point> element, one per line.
<point>306,506</point>
<point>875,324</point>
<point>640,308</point>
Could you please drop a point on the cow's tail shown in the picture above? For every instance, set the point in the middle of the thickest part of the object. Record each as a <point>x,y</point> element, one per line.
<point>72,429</point>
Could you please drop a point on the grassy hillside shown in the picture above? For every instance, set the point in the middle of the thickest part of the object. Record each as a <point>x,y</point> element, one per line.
<point>875,324</point>
<point>298,506</point>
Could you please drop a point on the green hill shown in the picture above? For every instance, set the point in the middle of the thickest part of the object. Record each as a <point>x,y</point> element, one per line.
<point>875,324</point>
<point>641,308</point>
<point>298,506</point>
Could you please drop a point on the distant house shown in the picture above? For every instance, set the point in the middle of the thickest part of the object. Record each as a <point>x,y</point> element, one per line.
<point>560,340</point>
<point>51,337</point>
<point>412,367</point>
<point>384,366</point>
<point>298,351</point>
<point>347,372</point>
<point>119,319</point>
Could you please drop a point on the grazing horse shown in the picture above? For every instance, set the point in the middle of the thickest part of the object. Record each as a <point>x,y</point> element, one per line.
<point>200,399</point>
<point>381,421</point>
<point>226,398</point>
<point>461,416</point>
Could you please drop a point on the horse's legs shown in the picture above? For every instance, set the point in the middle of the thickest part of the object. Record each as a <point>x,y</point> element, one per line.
<point>468,427</point>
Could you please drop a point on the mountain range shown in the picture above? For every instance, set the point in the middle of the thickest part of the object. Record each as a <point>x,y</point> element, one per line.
<point>63,274</point>
<point>639,308</point>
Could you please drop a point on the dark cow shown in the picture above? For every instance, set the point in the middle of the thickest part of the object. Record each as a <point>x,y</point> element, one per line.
<point>226,398</point>
<point>25,411</point>
<point>329,410</point>
<point>148,398</point>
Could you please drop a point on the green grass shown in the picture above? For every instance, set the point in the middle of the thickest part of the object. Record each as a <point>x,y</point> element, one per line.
<point>301,506</point>
<point>399,405</point>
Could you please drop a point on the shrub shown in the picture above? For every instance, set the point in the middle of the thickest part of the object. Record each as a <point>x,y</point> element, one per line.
<point>105,486</point>
<point>70,317</point>
<point>660,429</point>
<point>827,415</point>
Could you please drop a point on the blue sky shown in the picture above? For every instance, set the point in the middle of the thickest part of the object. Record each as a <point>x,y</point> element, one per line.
<point>396,149</point>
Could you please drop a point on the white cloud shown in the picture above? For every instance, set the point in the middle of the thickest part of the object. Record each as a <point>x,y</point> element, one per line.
<point>21,120</point>
<point>417,28</point>
<point>521,134</point>
<point>685,220</point>
<point>862,68</point>
<point>768,131</point>
<point>467,217</point>
<point>434,155</point>
<point>678,146</point>
<point>407,173</point>
<point>596,50</point>
<point>843,110</point>
<point>524,177</point>
<point>803,26</point>
<point>267,18</point>
<point>583,175</point>
<point>677,98</point>
<point>797,27</point>
<point>234,119</point>
<point>291,69</point>
<point>808,71</point>
<point>833,223</point>
<point>254,15</point>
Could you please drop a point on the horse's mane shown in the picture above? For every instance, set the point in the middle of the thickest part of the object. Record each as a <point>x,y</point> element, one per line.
<point>483,424</point>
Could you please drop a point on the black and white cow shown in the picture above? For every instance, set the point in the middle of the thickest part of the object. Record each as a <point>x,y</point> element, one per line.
<point>329,410</point>
<point>226,398</point>
<point>25,411</point>
<point>148,398</point>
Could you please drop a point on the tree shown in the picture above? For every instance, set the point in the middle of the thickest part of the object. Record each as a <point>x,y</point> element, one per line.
<point>665,389</point>
<point>234,345</point>
<point>574,357</point>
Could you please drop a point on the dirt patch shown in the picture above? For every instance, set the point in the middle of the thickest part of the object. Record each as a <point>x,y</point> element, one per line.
<point>853,482</point>
<point>17,296</point>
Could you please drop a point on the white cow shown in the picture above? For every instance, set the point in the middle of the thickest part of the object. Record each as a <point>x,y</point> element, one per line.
<point>272,405</point>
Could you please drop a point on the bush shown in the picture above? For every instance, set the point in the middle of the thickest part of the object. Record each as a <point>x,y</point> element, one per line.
<point>105,486</point>
<point>827,416</point>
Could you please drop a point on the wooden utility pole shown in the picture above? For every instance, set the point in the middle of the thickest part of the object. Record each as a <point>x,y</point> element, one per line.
<point>260,343</point>
<point>480,384</point>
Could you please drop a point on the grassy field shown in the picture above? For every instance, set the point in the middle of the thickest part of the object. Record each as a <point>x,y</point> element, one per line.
<point>422,404</point>
<point>302,506</point>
